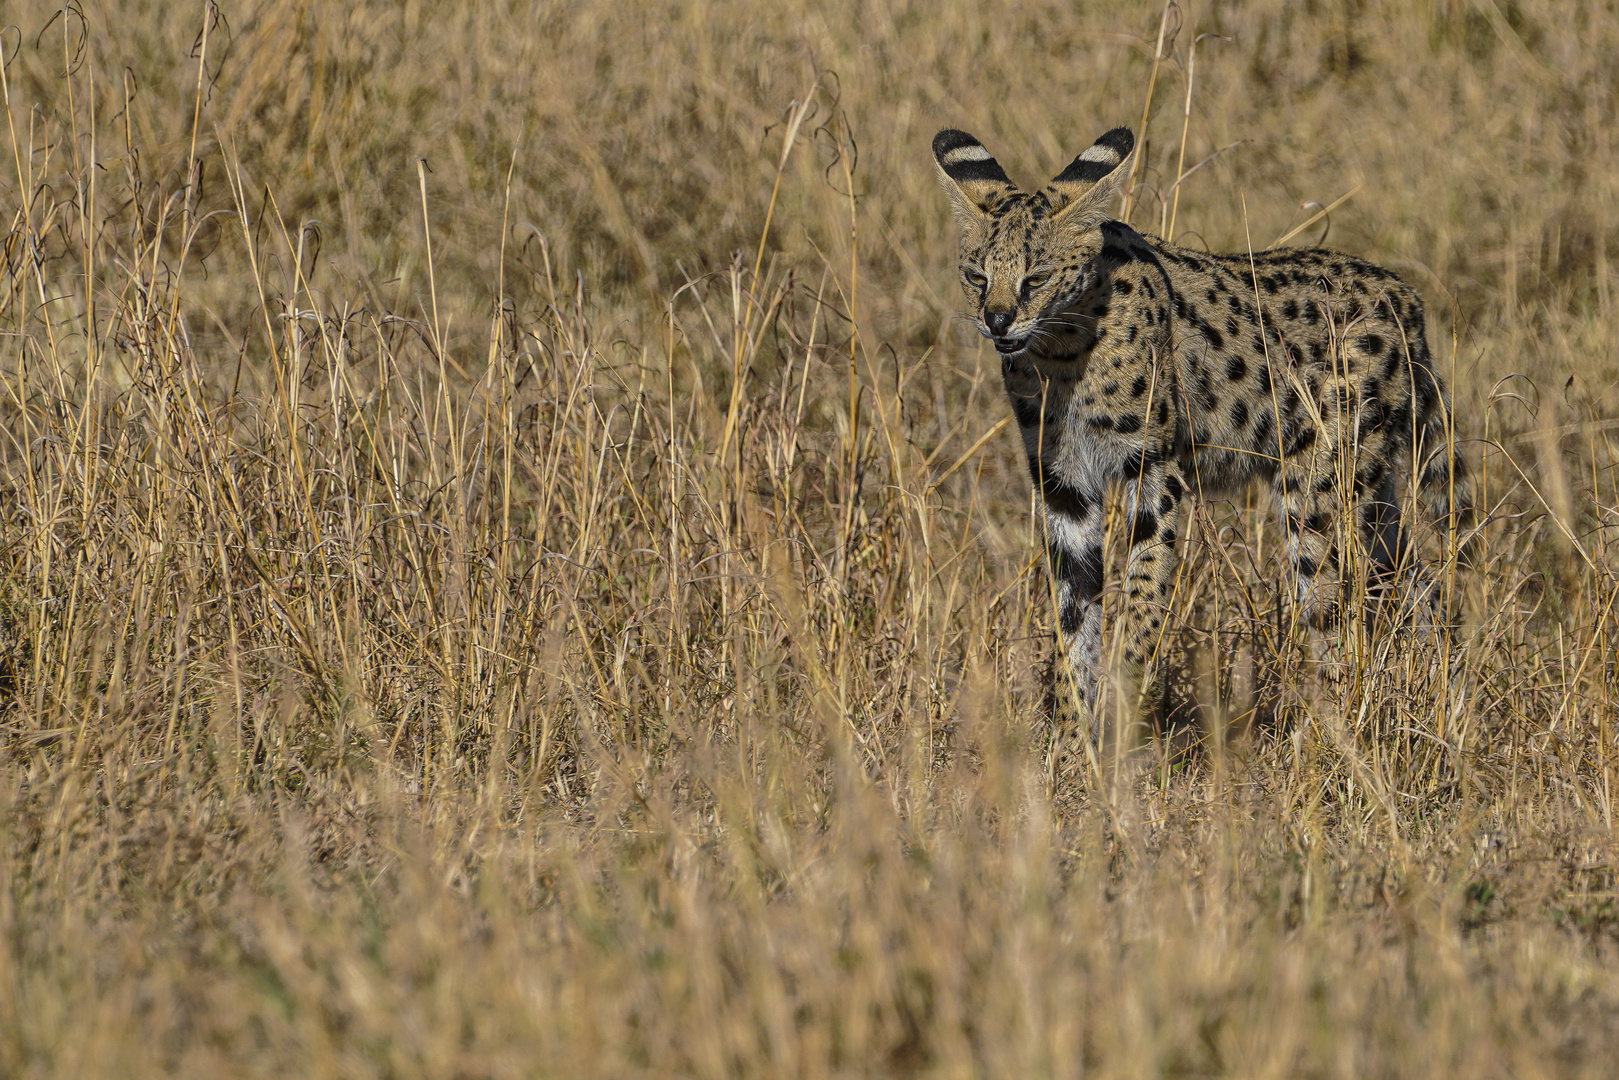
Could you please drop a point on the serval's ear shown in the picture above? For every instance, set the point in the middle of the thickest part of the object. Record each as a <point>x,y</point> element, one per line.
<point>976,182</point>
<point>1093,177</point>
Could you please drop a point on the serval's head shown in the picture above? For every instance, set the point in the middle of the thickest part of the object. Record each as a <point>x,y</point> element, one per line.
<point>1026,255</point>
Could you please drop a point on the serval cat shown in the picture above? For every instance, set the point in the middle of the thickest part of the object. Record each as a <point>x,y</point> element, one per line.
<point>1136,364</point>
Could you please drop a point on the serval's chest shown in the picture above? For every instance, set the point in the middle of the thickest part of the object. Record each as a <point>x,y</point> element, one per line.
<point>1094,393</point>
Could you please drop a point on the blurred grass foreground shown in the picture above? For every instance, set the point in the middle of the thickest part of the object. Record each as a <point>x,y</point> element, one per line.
<point>510,565</point>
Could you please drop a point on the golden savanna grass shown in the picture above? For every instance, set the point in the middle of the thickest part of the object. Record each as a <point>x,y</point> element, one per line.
<point>510,567</point>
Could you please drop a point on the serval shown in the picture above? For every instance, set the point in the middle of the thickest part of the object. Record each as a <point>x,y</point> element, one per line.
<point>1136,364</point>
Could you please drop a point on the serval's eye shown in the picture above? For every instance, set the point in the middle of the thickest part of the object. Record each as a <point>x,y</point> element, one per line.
<point>975,279</point>
<point>1034,281</point>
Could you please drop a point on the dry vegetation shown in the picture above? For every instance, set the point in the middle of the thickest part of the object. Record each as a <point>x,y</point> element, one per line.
<point>524,615</point>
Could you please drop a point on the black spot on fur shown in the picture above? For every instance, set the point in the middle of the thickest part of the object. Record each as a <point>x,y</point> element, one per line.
<point>1072,615</point>
<point>1261,435</point>
<point>1302,440</point>
<point>1235,369</point>
<point>1138,386</point>
<point>1173,488</point>
<point>1239,414</point>
<point>1124,425</point>
<point>1145,525</point>
<point>1086,572</point>
<point>1145,458</point>
<point>1059,496</point>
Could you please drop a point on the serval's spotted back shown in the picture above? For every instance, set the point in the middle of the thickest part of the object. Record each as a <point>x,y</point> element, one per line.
<point>1134,363</point>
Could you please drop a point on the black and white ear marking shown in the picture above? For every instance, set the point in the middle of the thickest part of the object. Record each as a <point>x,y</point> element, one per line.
<point>1092,177</point>
<point>975,180</point>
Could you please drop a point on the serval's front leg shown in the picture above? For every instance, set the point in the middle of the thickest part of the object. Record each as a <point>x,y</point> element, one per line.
<point>1074,549</point>
<point>1074,535</point>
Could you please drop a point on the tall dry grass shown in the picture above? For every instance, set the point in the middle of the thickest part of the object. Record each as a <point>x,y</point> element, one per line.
<point>510,567</point>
